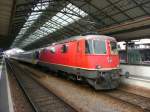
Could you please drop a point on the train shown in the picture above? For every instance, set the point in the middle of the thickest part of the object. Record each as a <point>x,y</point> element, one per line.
<point>92,58</point>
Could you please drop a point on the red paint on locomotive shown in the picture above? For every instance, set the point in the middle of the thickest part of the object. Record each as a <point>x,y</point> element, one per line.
<point>75,55</point>
<point>92,57</point>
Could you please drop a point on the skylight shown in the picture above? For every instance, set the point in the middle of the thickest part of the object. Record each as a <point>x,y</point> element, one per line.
<point>66,16</point>
<point>31,19</point>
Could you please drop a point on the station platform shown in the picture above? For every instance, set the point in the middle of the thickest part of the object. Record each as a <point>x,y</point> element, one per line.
<point>138,75</point>
<point>5,95</point>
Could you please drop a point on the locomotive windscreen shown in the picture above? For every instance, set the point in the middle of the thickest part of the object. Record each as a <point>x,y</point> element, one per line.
<point>95,47</point>
<point>88,47</point>
<point>99,47</point>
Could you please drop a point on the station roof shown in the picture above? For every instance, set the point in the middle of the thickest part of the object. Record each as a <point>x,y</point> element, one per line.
<point>5,15</point>
<point>34,23</point>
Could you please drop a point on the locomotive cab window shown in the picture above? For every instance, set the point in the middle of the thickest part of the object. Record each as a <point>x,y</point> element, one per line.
<point>64,48</point>
<point>88,47</point>
<point>113,47</point>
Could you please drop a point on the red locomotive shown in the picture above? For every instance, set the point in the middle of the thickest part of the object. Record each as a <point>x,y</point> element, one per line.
<point>91,57</point>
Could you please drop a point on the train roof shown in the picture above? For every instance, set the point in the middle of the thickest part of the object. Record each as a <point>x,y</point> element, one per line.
<point>101,37</point>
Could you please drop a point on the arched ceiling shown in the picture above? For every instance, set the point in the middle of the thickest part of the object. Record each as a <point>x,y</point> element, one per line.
<point>35,23</point>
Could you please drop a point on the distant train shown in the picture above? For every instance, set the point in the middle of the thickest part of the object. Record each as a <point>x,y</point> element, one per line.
<point>93,58</point>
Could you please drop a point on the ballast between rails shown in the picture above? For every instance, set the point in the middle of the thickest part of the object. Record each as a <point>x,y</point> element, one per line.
<point>21,85</point>
<point>41,99</point>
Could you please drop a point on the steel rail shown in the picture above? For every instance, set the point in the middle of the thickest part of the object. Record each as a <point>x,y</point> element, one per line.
<point>129,101</point>
<point>41,99</point>
<point>141,100</point>
<point>21,86</point>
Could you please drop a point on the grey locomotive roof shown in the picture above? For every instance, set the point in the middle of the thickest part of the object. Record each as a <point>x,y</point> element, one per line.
<point>102,37</point>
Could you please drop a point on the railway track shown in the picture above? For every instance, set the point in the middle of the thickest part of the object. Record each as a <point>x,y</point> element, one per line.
<point>39,97</point>
<point>130,98</point>
<point>127,97</point>
<point>117,97</point>
<point>20,102</point>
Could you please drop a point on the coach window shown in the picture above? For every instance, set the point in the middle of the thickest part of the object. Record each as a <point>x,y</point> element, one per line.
<point>64,48</point>
<point>88,47</point>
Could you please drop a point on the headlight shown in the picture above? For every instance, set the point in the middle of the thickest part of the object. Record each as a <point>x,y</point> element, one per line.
<point>98,67</point>
<point>118,66</point>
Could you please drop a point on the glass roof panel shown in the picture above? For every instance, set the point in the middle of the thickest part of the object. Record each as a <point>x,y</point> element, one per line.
<point>59,14</point>
<point>33,16</point>
<point>66,16</point>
